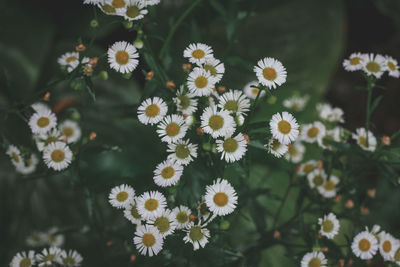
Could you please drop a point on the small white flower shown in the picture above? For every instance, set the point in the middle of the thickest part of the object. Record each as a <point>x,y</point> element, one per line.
<point>295,152</point>
<point>200,82</point>
<point>15,155</point>
<point>181,215</point>
<point>25,259</point>
<point>135,10</point>
<point>328,113</point>
<point>355,62</point>
<point>314,258</point>
<point>121,196</point>
<point>53,238</point>
<point>365,245</point>
<point>165,223</point>
<point>132,214</point>
<point>388,245</point>
<point>330,135</point>
<point>221,197</point>
<point>48,257</point>
<point>361,137</point>
<point>239,119</point>
<point>307,167</point>
<point>152,110</point>
<point>296,103</point>
<point>185,101</point>
<point>198,53</point>
<point>215,67</point>
<point>329,225</point>
<point>151,204</point>
<point>172,128</point>
<point>167,173</point>
<point>197,235</point>
<point>148,240</point>
<point>235,102</point>
<point>251,90</point>
<point>276,148</point>
<point>38,106</point>
<point>29,165</point>
<point>43,140</point>
<point>284,127</point>
<point>70,259</point>
<point>57,156</point>
<point>42,121</point>
<point>122,56</point>
<point>71,130</point>
<point>217,123</point>
<point>328,188</point>
<point>70,60</point>
<point>312,132</point>
<point>182,151</point>
<point>374,65</point>
<point>316,178</point>
<point>36,239</point>
<point>392,67</point>
<point>232,148</point>
<point>270,72</point>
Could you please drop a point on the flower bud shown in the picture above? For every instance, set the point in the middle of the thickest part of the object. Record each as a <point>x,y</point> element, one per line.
<point>138,44</point>
<point>239,119</point>
<point>94,23</point>
<point>104,75</point>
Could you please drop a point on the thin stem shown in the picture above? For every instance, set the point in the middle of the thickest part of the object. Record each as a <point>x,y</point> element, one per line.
<point>253,108</point>
<point>276,217</point>
<point>368,110</point>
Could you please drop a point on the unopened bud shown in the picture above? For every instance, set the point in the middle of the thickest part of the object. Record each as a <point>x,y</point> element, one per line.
<point>207,146</point>
<point>386,140</point>
<point>92,136</point>
<point>104,75</point>
<point>127,75</point>
<point>46,96</point>
<point>186,67</point>
<point>94,23</point>
<point>224,225</point>
<point>150,75</point>
<point>80,48</point>
<point>221,89</point>
<point>371,192</point>
<point>200,131</point>
<point>277,234</point>
<point>170,85</point>
<point>138,44</point>
<point>128,24</point>
<point>247,138</point>
<point>93,61</point>
<point>192,217</point>
<point>132,258</point>
<point>349,204</point>
<point>239,119</point>
<point>364,210</point>
<point>324,249</point>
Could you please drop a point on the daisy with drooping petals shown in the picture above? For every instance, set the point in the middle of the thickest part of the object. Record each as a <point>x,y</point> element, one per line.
<point>217,123</point>
<point>25,259</point>
<point>151,204</point>
<point>374,65</point>
<point>284,127</point>
<point>314,258</point>
<point>355,62</point>
<point>365,245</point>
<point>215,67</point>
<point>182,151</point>
<point>316,178</point>
<point>42,121</point>
<point>167,173</point>
<point>232,148</point>
<point>70,259</point>
<point>328,113</point>
<point>152,110</point>
<point>235,102</point>
<point>43,140</point>
<point>251,90</point>
<point>121,196</point>
<point>276,148</point>
<point>307,167</point>
<point>57,156</point>
<point>40,106</point>
<point>132,214</point>
<point>185,101</point>
<point>200,82</point>
<point>181,215</point>
<point>330,135</point>
<point>197,235</point>
<point>29,165</point>
<point>270,72</point>
<point>295,152</point>
<point>388,245</point>
<point>15,155</point>
<point>165,223</point>
<point>329,225</point>
<point>48,257</point>
<point>312,132</point>
<point>361,137</point>
<point>172,128</point>
<point>148,240</point>
<point>135,10</point>
<point>108,8</point>
<point>122,56</point>
<point>328,188</point>
<point>221,197</point>
<point>392,67</point>
<point>296,103</point>
<point>69,60</point>
<point>198,53</point>
<point>71,130</point>
<point>117,7</point>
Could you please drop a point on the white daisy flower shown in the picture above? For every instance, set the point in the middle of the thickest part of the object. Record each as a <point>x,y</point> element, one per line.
<point>235,102</point>
<point>122,56</point>
<point>312,132</point>
<point>132,214</point>
<point>270,72</point>
<point>165,223</point>
<point>181,215</point>
<point>93,2</point>
<point>42,121</point>
<point>48,257</point>
<point>29,165</point>
<point>152,110</point>
<point>217,123</point>
<point>148,240</point>
<point>295,152</point>
<point>172,128</point>
<point>392,67</point>
<point>329,225</point>
<point>57,156</point>
<point>15,155</point>
<point>251,90</point>
<point>185,102</point>
<point>296,103</point>
<point>198,53</point>
<point>53,238</point>
<point>374,65</point>
<point>151,204</point>
<point>52,136</point>
<point>388,245</point>
<point>328,188</point>
<point>167,173</point>
<point>314,259</point>
<point>355,62</point>
<point>23,259</point>
<point>328,113</point>
<point>117,7</point>
<point>221,197</point>
<point>330,135</point>
<point>232,148</point>
<point>215,67</point>
<point>316,178</point>
<point>361,137</point>
<point>276,148</point>
<point>135,10</point>
<point>71,130</point>
<point>307,167</point>
<point>365,245</point>
<point>38,106</point>
<point>121,196</point>
<point>200,82</point>
<point>182,151</point>
<point>36,239</point>
<point>70,259</point>
<point>284,127</point>
<point>150,2</point>
<point>108,8</point>
<point>197,235</point>
<point>70,60</point>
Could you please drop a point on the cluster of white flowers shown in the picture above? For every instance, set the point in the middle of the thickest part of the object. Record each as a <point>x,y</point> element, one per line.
<point>373,65</point>
<point>71,60</point>
<point>24,165</point>
<point>154,221</point>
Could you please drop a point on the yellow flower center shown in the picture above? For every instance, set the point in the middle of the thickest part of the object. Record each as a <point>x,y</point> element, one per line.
<point>43,122</point>
<point>162,224</point>
<point>275,145</point>
<point>318,180</point>
<point>48,257</point>
<point>167,172</point>
<point>293,152</point>
<point>152,110</point>
<point>57,155</point>
<point>230,145</point>
<point>284,127</point>
<point>26,262</point>
<point>69,261</point>
<point>50,139</point>
<point>71,59</point>
<point>195,233</point>
<point>387,246</point>
<point>68,131</point>
<point>118,3</point>
<point>308,167</point>
<point>255,91</point>
<point>312,132</point>
<point>329,185</point>
<point>108,9</point>
<point>182,151</point>
<point>211,69</point>
<point>391,66</point>
<point>184,101</point>
<point>132,11</point>
<point>135,213</point>
<point>355,60</point>
<point>148,240</point>
<point>364,245</point>
<point>270,74</point>
<point>151,204</point>
<point>397,255</point>
<point>327,226</point>
<point>220,199</point>
<point>182,217</point>
<point>362,140</point>
<point>198,53</point>
<point>315,262</point>
<point>231,105</point>
<point>373,67</point>
<point>15,157</point>
<point>172,129</point>
<point>122,57</point>
<point>216,122</point>
<point>122,196</point>
<point>201,82</point>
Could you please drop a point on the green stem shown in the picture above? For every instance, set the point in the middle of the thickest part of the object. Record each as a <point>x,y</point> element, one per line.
<point>368,110</point>
<point>253,109</point>
<point>276,217</point>
<point>175,27</point>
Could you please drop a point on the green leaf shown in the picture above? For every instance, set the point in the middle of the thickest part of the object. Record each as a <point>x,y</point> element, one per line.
<point>376,103</point>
